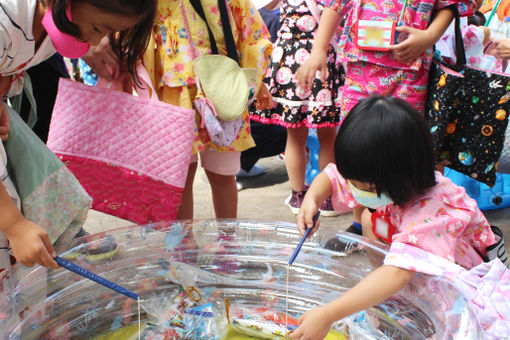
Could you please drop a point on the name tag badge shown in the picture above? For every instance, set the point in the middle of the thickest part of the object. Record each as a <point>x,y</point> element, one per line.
<point>382,226</point>
<point>375,35</point>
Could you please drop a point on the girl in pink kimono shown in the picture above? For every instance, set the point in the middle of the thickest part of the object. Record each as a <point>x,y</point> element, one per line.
<point>386,47</point>
<point>385,159</point>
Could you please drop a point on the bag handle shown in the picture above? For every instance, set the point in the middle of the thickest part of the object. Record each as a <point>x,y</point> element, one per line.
<point>494,9</point>
<point>459,43</point>
<point>225,23</point>
<point>143,92</point>
<point>197,6</point>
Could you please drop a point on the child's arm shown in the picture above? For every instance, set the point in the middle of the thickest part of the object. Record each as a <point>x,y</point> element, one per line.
<point>418,41</point>
<point>30,243</point>
<point>5,123</point>
<point>316,194</point>
<point>373,289</point>
<point>330,19</point>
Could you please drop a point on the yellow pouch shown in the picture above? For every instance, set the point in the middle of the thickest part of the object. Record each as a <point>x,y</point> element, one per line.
<point>228,86</point>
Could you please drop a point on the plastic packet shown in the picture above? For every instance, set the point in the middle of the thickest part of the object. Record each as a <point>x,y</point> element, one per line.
<point>179,316</point>
<point>262,323</point>
<point>363,325</point>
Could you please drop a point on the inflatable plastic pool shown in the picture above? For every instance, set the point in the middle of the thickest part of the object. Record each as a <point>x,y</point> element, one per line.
<point>241,262</point>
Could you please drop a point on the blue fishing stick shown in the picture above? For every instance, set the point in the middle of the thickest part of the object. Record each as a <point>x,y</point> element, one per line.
<point>305,236</point>
<point>96,278</point>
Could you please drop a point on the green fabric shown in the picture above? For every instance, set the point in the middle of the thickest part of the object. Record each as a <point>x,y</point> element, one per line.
<point>225,84</point>
<point>26,152</point>
<point>50,194</point>
<point>29,93</point>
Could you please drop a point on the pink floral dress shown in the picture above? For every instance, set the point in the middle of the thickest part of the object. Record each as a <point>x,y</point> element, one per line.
<point>294,107</point>
<point>369,72</point>
<point>484,290</point>
<point>443,221</point>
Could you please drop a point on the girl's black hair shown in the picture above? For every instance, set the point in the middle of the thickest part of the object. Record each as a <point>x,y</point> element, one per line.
<point>478,19</point>
<point>128,45</point>
<point>386,142</point>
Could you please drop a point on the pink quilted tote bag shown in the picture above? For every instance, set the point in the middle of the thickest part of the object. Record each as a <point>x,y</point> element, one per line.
<point>131,154</point>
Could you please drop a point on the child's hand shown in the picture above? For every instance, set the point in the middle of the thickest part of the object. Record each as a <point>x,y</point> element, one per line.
<point>313,325</point>
<point>101,55</point>
<point>5,125</point>
<point>264,98</point>
<point>306,214</point>
<point>31,244</point>
<point>305,75</point>
<point>503,48</point>
<point>417,42</point>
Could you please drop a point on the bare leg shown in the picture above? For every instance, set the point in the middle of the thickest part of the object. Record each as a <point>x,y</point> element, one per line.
<point>326,136</point>
<point>186,209</point>
<point>295,157</point>
<point>224,194</point>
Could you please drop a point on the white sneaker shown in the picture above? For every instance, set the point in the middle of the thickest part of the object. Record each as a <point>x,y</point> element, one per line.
<point>239,186</point>
<point>256,170</point>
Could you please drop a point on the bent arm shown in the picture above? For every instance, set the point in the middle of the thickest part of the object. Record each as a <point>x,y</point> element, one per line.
<point>373,289</point>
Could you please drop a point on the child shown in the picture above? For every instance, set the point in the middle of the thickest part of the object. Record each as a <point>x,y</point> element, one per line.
<point>476,40</point>
<point>386,162</point>
<point>168,60</point>
<point>402,70</point>
<point>298,110</point>
<point>33,31</point>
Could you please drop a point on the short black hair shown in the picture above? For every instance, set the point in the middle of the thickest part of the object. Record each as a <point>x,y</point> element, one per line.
<point>478,19</point>
<point>385,141</point>
<point>128,45</point>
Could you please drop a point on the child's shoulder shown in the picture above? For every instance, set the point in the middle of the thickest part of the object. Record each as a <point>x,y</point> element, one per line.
<point>444,193</point>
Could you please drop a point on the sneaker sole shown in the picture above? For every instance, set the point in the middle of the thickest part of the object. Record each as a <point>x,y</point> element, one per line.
<point>329,213</point>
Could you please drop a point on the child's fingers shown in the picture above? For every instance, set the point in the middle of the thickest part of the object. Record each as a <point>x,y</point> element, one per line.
<point>324,72</point>
<point>305,76</point>
<point>299,76</point>
<point>317,225</point>
<point>47,243</point>
<point>296,334</point>
<point>404,29</point>
<point>401,47</point>
<point>301,224</point>
<point>44,259</point>
<point>48,253</point>
<point>101,71</point>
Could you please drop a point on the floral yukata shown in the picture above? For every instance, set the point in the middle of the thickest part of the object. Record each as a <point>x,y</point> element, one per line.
<point>295,107</point>
<point>168,58</point>
<point>378,73</point>
<point>441,233</point>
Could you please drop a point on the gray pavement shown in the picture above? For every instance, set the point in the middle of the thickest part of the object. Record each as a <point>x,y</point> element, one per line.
<point>263,198</point>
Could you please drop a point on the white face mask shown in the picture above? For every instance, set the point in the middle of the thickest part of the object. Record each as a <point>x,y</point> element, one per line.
<point>370,199</point>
